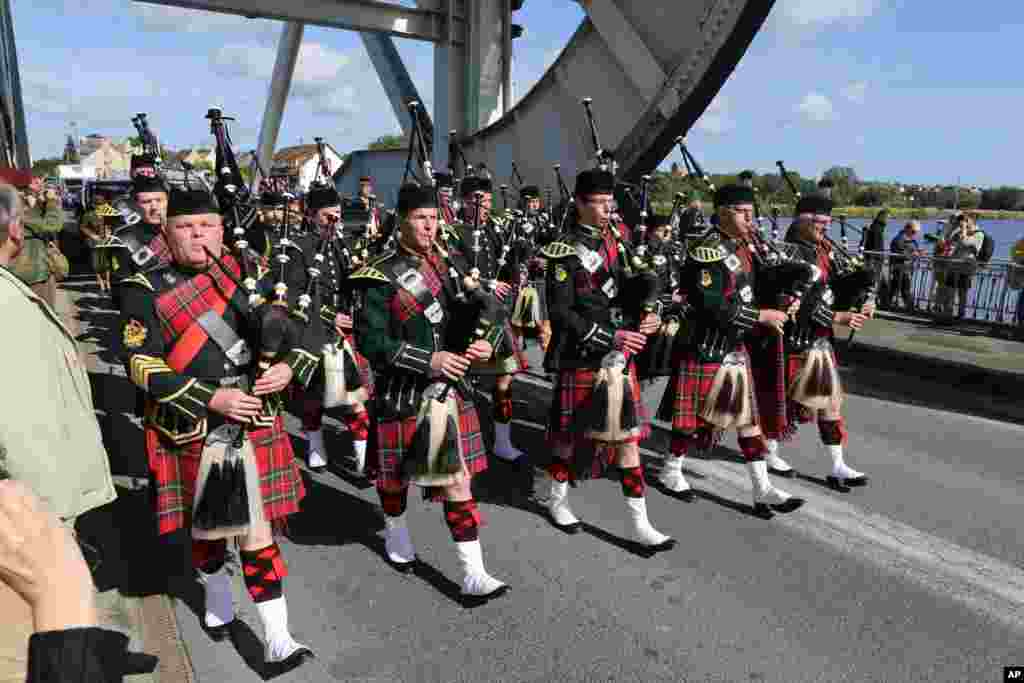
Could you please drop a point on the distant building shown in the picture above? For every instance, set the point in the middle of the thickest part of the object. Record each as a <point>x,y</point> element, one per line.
<point>111,160</point>
<point>197,156</point>
<point>302,163</point>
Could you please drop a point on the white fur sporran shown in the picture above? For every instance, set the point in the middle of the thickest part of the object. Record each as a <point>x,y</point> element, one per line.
<point>817,386</point>
<point>336,392</point>
<point>437,436</point>
<point>730,401</point>
<point>218,449</point>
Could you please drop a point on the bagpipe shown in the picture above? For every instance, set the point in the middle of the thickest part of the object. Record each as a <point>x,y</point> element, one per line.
<point>853,284</point>
<point>150,144</point>
<point>780,279</point>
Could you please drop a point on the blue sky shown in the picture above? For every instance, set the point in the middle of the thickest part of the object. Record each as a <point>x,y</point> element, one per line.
<point>906,90</point>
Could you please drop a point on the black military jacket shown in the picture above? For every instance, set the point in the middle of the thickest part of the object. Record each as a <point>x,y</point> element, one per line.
<point>136,254</point>
<point>815,317</point>
<point>590,296</point>
<point>718,279</point>
<point>483,248</point>
<point>226,356</point>
<point>400,323</point>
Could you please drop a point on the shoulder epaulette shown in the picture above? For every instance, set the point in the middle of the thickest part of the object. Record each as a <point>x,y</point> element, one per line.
<point>709,250</point>
<point>558,250</point>
<point>139,279</point>
<point>369,273</point>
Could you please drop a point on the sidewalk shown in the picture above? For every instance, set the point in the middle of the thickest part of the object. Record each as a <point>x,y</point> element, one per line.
<point>953,368</point>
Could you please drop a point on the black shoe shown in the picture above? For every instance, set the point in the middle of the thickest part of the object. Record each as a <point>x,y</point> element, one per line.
<point>765,510</point>
<point>845,484</point>
<point>652,550</point>
<point>570,529</point>
<point>478,600</point>
<point>218,634</point>
<point>403,567</point>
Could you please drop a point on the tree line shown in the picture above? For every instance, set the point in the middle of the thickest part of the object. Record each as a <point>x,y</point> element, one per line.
<point>848,190</point>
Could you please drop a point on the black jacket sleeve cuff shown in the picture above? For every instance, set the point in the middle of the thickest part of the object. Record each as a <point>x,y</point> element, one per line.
<point>823,315</point>
<point>746,317</point>
<point>600,338</point>
<point>92,654</point>
<point>413,358</point>
<point>303,365</point>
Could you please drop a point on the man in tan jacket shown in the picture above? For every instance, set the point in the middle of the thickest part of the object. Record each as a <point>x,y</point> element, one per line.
<point>49,437</point>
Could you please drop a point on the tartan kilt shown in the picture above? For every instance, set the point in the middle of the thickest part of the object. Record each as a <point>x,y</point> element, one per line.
<point>175,470</point>
<point>573,392</point>
<point>363,365</point>
<point>793,413</point>
<point>394,437</point>
<point>683,401</point>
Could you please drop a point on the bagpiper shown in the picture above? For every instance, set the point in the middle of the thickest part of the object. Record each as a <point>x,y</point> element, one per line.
<point>422,321</point>
<point>712,387</point>
<point>334,256</point>
<point>597,417</point>
<point>220,457</point>
<point>482,241</point>
<point>529,312</point>
<point>797,374</point>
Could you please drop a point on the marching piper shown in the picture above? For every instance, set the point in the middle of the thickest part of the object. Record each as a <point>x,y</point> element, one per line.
<point>335,310</point>
<point>422,322</point>
<point>797,376</point>
<point>482,242</point>
<point>220,458</point>
<point>712,388</point>
<point>597,418</point>
<point>529,312</point>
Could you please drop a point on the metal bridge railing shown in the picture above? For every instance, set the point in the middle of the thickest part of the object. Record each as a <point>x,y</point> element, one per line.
<point>993,289</point>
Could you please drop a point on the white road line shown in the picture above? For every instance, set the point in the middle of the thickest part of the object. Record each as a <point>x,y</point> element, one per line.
<point>980,582</point>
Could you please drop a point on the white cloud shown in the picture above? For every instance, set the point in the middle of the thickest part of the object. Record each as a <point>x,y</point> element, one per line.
<point>716,119</point>
<point>810,12</point>
<point>855,92</point>
<point>816,107</point>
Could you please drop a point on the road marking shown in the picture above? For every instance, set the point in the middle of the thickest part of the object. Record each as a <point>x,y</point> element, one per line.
<point>980,582</point>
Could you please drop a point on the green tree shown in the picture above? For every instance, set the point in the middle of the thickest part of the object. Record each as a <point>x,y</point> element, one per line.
<point>388,142</point>
<point>46,167</point>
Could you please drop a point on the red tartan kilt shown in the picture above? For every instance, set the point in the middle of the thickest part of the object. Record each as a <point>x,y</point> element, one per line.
<point>683,401</point>
<point>384,463</point>
<point>175,469</point>
<point>365,373</point>
<point>782,415</point>
<point>573,392</point>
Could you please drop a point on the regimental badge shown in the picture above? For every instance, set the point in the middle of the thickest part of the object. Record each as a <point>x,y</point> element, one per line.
<point>561,274</point>
<point>705,278</point>
<point>609,288</point>
<point>169,278</point>
<point>827,296</point>
<point>747,294</point>
<point>660,260</point>
<point>134,334</point>
<point>733,262</point>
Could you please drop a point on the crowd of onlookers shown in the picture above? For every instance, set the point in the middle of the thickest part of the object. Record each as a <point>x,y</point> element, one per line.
<point>959,250</point>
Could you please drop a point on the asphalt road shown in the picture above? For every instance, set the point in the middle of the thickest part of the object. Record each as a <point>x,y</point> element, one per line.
<point>914,578</point>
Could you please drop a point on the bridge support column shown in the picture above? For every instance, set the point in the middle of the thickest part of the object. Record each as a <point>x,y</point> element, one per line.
<point>394,77</point>
<point>485,73</point>
<point>277,95</point>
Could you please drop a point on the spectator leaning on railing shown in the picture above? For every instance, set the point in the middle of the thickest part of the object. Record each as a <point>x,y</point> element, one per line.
<point>966,242</point>
<point>904,247</point>
<point>49,437</point>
